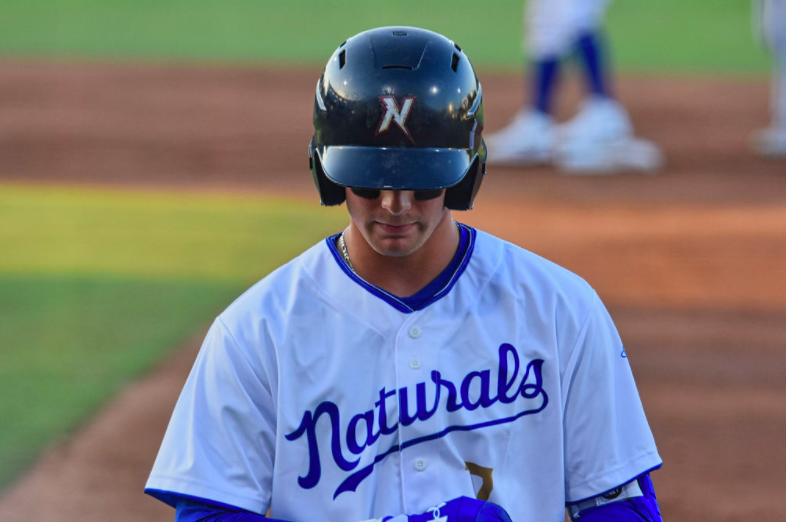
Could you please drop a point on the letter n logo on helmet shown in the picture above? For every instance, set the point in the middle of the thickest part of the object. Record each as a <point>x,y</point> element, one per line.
<point>395,114</point>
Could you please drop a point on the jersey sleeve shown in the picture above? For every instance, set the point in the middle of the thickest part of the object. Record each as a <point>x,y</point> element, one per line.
<point>608,441</point>
<point>220,441</point>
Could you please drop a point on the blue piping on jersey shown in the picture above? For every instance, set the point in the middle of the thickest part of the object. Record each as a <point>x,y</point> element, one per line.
<point>171,498</point>
<point>393,300</point>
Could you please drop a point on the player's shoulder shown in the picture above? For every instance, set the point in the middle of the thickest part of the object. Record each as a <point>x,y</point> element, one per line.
<point>514,261</point>
<point>275,295</point>
<point>520,270</point>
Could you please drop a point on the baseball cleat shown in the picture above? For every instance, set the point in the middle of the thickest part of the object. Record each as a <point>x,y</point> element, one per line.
<point>527,140</point>
<point>600,140</point>
<point>598,119</point>
<point>627,154</point>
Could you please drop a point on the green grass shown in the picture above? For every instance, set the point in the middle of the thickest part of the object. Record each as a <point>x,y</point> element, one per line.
<point>96,285</point>
<point>707,36</point>
<point>156,235</point>
<point>667,35</point>
<point>69,343</point>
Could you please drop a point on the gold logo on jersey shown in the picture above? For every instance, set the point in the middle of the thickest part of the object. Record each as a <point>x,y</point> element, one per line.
<point>485,475</point>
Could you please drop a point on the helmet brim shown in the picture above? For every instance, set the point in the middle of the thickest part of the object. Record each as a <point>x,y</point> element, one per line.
<point>394,168</point>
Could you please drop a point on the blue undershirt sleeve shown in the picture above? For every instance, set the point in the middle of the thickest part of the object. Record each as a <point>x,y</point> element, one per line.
<point>192,511</point>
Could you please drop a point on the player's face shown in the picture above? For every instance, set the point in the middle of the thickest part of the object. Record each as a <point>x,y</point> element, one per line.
<point>396,223</point>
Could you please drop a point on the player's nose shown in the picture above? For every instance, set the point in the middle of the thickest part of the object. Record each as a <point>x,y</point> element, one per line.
<point>397,201</point>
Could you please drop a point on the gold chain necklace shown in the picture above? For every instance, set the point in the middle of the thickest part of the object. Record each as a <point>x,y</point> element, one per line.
<point>344,252</point>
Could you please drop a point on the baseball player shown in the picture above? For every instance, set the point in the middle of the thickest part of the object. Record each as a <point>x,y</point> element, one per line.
<point>600,138</point>
<point>408,368</point>
<point>770,26</point>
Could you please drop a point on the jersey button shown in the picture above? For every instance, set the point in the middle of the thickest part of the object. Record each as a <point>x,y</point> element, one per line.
<point>415,363</point>
<point>414,332</point>
<point>420,464</point>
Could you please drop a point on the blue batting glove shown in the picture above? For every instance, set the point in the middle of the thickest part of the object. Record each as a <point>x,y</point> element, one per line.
<point>463,509</point>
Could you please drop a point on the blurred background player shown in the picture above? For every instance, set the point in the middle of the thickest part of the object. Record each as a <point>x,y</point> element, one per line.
<point>599,138</point>
<point>770,26</point>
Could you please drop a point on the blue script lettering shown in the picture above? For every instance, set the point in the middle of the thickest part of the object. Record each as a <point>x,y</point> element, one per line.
<point>308,426</point>
<point>371,437</point>
<point>361,432</point>
<point>422,413</point>
<point>383,412</point>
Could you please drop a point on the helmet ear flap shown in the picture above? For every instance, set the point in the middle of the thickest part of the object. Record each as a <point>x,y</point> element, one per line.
<point>462,196</point>
<point>330,194</point>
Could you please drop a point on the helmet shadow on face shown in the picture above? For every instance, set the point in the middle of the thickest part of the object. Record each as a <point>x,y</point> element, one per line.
<point>395,207</point>
<point>420,195</point>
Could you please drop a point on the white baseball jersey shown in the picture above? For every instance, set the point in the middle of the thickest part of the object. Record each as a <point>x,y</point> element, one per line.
<point>551,27</point>
<point>325,399</point>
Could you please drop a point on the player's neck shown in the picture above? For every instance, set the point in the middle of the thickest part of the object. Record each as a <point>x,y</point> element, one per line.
<point>406,275</point>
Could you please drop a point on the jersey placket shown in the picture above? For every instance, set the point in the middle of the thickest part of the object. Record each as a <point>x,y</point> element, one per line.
<point>416,358</point>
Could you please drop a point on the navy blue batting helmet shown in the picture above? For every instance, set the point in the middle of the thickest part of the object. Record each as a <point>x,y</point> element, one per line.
<point>398,108</point>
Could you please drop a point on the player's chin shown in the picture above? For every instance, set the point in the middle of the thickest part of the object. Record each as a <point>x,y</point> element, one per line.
<point>397,245</point>
<point>400,247</point>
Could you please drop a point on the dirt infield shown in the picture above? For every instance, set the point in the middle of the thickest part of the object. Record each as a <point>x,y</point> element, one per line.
<point>690,261</point>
